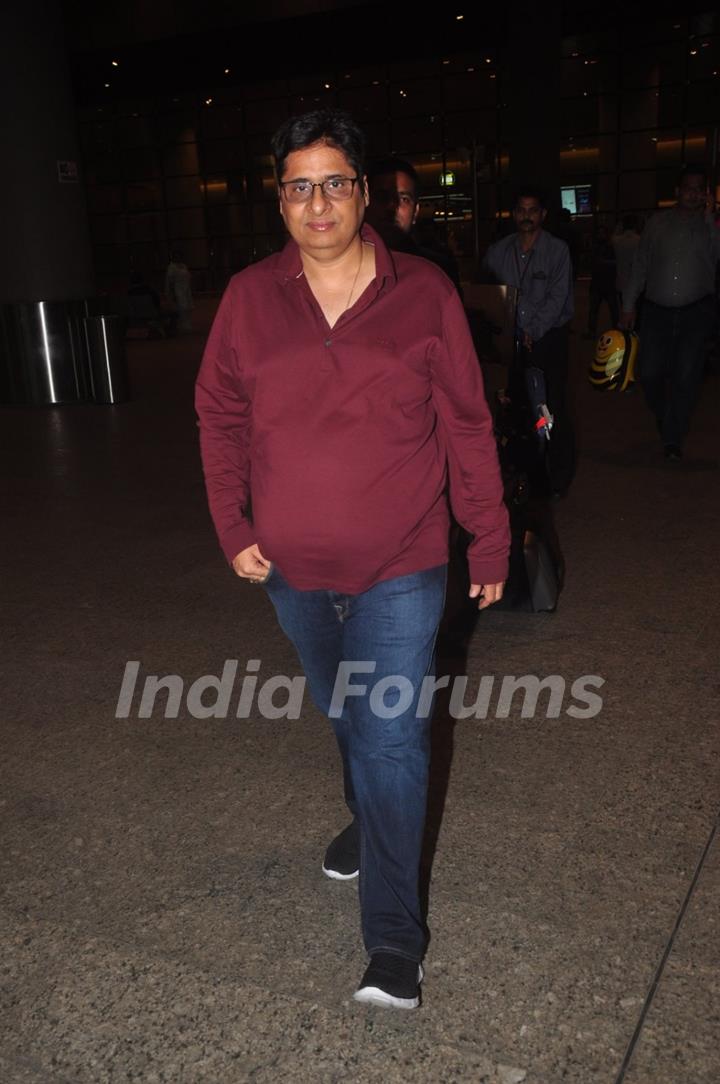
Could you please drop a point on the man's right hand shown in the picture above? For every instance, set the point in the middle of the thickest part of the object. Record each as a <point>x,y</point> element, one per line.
<point>251,565</point>
<point>627,320</point>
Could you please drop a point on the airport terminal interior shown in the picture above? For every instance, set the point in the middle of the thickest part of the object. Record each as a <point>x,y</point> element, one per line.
<point>164,913</point>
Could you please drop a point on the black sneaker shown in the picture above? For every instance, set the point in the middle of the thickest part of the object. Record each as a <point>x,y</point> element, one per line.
<point>342,858</point>
<point>391,982</point>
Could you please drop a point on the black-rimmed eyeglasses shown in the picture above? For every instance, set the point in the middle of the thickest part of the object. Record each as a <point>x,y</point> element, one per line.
<point>334,188</point>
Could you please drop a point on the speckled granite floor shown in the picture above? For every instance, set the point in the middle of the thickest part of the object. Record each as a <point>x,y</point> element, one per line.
<point>163,913</point>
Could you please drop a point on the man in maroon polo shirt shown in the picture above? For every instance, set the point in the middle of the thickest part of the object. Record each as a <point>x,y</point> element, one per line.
<point>340,398</point>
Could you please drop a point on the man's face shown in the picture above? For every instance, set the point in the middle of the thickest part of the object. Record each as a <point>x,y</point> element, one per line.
<point>321,226</point>
<point>691,193</point>
<point>393,199</point>
<point>529,215</point>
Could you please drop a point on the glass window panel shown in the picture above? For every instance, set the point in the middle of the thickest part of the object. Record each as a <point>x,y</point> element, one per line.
<point>106,198</point>
<point>594,113</point>
<point>417,134</point>
<point>476,88</point>
<point>640,109</point>
<point>195,253</point>
<point>227,188</point>
<point>143,196</point>
<point>590,44</point>
<point>135,132</point>
<point>265,245</point>
<point>460,238</point>
<point>361,77</point>
<point>104,170</point>
<point>707,23</point>
<point>221,122</point>
<point>586,154</point>
<point>479,126</point>
<point>605,193</point>
<point>222,156</point>
<point>704,102</point>
<point>378,137</point>
<point>228,220</point>
<point>265,116</point>
<point>364,102</point>
<point>588,74</point>
<point>108,229</point>
<point>403,70</point>
<point>266,218</point>
<point>704,57</point>
<point>698,144</point>
<point>187,223</point>
<point>670,110</point>
<point>178,127</point>
<point>183,191</point>
<point>637,190</point>
<point>261,180</point>
<point>650,150</point>
<point>486,201</point>
<point>421,96</point>
<point>111,259</point>
<point>181,158</point>
<point>98,139</point>
<point>666,186</point>
<point>268,89</point>
<point>146,227</point>
<point>141,164</point>
<point>652,66</point>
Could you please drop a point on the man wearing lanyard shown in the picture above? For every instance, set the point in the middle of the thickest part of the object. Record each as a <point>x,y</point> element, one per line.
<point>675,264</point>
<point>539,266</point>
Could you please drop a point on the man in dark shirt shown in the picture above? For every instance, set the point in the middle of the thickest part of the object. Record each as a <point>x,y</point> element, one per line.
<point>393,211</point>
<point>339,393</point>
<point>675,264</point>
<point>539,266</point>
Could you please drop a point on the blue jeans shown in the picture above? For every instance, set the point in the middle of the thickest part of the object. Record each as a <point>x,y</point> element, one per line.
<point>673,348</point>
<point>385,632</point>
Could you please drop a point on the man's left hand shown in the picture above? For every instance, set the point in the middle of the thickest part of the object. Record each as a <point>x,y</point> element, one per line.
<point>487,593</point>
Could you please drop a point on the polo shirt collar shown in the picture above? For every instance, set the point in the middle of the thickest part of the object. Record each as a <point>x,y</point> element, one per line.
<point>288,264</point>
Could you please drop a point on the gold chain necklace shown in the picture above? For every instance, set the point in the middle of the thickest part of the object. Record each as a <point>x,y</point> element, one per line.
<point>357,274</point>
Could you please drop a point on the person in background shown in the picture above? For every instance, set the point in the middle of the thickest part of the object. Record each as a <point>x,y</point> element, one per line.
<point>393,211</point>
<point>602,281</point>
<point>625,243</point>
<point>538,265</point>
<point>178,288</point>
<point>675,264</point>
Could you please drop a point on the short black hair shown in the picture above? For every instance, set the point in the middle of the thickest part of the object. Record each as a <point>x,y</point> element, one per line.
<point>692,171</point>
<point>530,191</point>
<point>331,126</point>
<point>380,167</point>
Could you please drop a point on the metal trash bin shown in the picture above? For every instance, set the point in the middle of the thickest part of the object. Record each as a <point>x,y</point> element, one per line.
<point>42,355</point>
<point>107,361</point>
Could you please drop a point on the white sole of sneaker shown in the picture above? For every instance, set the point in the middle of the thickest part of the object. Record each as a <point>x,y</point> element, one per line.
<point>335,876</point>
<point>373,995</point>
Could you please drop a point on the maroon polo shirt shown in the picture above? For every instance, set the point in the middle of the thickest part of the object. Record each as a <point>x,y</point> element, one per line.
<point>332,448</point>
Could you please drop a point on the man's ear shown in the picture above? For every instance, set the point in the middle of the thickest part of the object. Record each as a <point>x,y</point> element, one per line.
<point>416,212</point>
<point>365,189</point>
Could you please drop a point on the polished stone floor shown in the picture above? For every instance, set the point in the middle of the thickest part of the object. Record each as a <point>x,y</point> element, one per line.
<point>164,917</point>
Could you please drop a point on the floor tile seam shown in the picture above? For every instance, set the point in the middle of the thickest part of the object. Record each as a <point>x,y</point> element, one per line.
<point>660,969</point>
